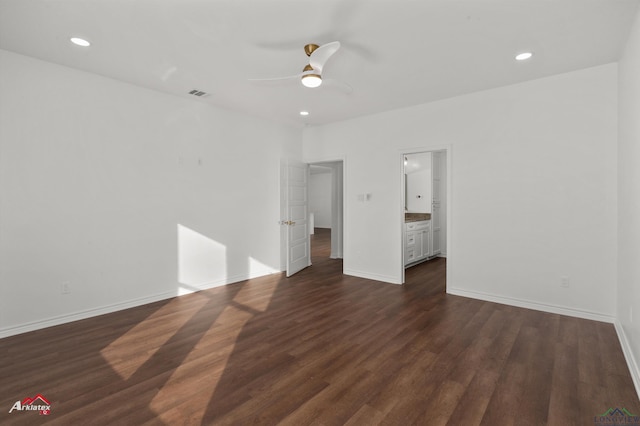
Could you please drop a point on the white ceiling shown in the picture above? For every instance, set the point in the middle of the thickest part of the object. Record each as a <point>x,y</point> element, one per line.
<point>395,53</point>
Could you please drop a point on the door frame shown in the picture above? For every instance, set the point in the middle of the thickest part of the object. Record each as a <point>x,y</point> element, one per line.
<point>449,205</point>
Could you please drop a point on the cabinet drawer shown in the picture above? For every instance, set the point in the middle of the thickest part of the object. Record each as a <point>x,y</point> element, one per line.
<point>409,256</point>
<point>411,238</point>
<point>415,226</point>
<point>421,226</point>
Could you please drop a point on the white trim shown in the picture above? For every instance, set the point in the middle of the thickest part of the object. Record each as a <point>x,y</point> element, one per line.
<point>553,309</point>
<point>94,312</point>
<point>628,356</point>
<point>370,276</point>
<point>76,316</point>
<point>329,159</point>
<point>192,288</point>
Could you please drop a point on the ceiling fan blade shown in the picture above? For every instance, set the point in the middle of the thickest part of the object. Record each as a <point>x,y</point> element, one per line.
<point>321,55</point>
<point>289,77</point>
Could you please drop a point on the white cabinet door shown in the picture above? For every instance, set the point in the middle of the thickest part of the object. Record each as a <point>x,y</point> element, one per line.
<point>426,243</point>
<point>417,241</point>
<point>419,244</point>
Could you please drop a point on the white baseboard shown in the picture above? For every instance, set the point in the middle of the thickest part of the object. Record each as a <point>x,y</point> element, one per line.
<point>80,315</point>
<point>370,276</point>
<point>191,288</point>
<point>628,356</point>
<point>554,309</point>
<point>596,316</point>
<point>181,290</point>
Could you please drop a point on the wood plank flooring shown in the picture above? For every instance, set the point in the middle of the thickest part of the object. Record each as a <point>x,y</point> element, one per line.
<point>319,348</point>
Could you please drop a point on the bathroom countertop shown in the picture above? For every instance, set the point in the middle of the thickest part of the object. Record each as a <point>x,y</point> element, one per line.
<point>415,217</point>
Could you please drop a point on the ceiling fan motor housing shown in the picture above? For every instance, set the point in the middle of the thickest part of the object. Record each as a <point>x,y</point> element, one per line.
<point>309,48</point>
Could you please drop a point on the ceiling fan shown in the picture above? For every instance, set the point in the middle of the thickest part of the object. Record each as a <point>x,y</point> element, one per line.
<point>311,75</point>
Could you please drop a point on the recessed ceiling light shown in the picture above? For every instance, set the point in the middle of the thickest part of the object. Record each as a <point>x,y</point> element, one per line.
<point>523,56</point>
<point>80,41</point>
<point>304,113</point>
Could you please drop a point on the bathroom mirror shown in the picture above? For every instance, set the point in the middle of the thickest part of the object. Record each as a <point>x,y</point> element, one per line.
<point>417,183</point>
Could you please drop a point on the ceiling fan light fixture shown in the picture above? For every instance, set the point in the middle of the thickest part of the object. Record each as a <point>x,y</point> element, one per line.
<point>311,80</point>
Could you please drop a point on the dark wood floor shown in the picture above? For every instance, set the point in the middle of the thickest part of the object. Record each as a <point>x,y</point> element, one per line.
<point>324,349</point>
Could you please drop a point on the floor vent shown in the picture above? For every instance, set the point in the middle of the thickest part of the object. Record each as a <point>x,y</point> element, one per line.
<point>196,92</point>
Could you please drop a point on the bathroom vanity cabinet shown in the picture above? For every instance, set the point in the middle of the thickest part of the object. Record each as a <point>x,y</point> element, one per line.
<point>417,244</point>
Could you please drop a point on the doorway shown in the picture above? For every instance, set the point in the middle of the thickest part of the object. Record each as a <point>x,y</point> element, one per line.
<point>326,207</point>
<point>425,200</point>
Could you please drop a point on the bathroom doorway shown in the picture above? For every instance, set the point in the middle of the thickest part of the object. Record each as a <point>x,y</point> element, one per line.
<point>425,221</point>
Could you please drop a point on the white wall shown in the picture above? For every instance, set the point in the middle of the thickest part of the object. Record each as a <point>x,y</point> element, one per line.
<point>533,186</point>
<point>100,180</point>
<point>320,199</point>
<point>628,301</point>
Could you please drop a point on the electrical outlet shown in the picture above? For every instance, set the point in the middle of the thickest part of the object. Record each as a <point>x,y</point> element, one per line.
<point>65,288</point>
<point>564,282</point>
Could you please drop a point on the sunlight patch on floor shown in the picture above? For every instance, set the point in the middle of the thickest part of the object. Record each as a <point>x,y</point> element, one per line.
<point>133,349</point>
<point>207,361</point>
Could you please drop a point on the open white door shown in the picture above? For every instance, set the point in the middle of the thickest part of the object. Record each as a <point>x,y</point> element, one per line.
<point>295,177</point>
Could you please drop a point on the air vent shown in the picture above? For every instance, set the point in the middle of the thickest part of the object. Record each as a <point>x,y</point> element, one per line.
<point>196,92</point>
